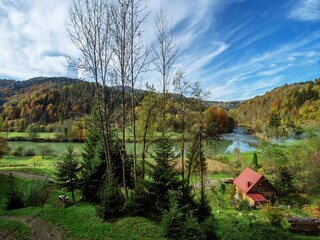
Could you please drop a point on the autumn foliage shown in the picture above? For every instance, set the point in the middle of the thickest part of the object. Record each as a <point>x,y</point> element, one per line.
<point>284,108</point>
<point>43,101</point>
<point>217,121</point>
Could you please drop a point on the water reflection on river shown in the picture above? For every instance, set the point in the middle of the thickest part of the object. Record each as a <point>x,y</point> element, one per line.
<point>228,142</point>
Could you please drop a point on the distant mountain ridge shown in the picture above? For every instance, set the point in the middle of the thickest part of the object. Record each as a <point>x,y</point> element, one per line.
<point>10,87</point>
<point>225,105</point>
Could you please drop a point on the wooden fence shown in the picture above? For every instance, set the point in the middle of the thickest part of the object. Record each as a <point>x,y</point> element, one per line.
<point>304,225</point>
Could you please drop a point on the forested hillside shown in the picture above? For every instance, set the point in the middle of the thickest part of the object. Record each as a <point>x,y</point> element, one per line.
<point>282,110</point>
<point>43,101</point>
<point>53,104</point>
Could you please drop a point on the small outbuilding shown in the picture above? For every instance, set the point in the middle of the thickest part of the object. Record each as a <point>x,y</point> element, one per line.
<point>253,187</point>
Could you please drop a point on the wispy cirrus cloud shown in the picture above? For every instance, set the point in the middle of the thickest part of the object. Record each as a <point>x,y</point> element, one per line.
<point>288,63</point>
<point>305,10</point>
<point>191,23</point>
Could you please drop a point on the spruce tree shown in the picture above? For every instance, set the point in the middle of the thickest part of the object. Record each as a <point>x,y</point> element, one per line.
<point>255,160</point>
<point>93,161</point>
<point>151,195</point>
<point>67,170</point>
<point>164,176</point>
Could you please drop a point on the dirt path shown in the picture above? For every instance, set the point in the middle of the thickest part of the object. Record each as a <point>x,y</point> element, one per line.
<point>19,174</point>
<point>41,230</point>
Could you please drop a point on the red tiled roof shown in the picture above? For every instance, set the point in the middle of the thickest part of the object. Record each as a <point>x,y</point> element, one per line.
<point>247,176</point>
<point>257,197</point>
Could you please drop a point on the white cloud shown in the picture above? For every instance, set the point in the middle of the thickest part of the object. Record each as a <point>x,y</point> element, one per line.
<point>34,41</point>
<point>306,10</point>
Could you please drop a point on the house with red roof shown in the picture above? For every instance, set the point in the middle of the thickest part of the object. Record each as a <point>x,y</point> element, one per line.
<point>253,187</point>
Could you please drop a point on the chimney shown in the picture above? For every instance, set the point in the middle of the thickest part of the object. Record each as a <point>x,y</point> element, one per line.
<point>248,184</point>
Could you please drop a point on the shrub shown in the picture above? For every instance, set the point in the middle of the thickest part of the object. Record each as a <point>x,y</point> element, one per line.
<point>18,151</point>
<point>275,215</point>
<point>50,128</point>
<point>36,161</point>
<point>243,205</point>
<point>37,192</point>
<point>32,131</point>
<point>15,200</point>
<point>29,152</point>
<point>59,136</point>
<point>232,227</point>
<point>230,192</point>
<point>44,150</point>
<point>4,146</point>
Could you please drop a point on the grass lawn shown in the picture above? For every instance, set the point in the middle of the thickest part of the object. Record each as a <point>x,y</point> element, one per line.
<point>78,221</point>
<point>17,230</point>
<point>219,175</point>
<point>17,161</point>
<point>48,171</point>
<point>42,135</point>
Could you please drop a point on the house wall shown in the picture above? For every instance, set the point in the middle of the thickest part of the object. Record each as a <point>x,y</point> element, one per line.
<point>241,195</point>
<point>264,187</point>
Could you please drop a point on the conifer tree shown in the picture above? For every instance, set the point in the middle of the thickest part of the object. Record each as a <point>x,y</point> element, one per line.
<point>67,170</point>
<point>255,160</point>
<point>93,161</point>
<point>164,176</point>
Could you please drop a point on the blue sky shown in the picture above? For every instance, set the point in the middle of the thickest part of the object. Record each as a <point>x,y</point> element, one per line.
<point>237,48</point>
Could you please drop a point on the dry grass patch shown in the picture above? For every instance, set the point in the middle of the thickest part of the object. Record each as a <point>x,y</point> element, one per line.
<point>213,166</point>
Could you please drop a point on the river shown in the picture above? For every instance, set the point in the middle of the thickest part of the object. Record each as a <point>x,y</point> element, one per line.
<point>227,143</point>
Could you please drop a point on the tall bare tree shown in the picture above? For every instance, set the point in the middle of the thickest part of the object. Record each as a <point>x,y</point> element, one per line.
<point>89,29</point>
<point>139,61</point>
<point>182,88</point>
<point>165,51</point>
<point>120,11</point>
